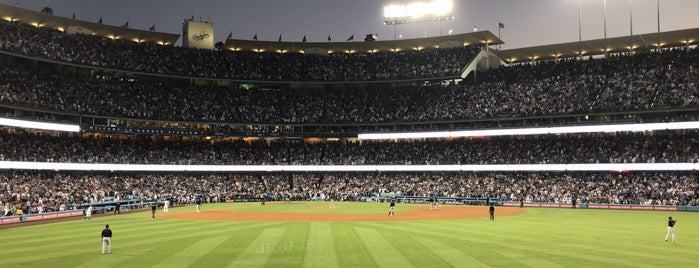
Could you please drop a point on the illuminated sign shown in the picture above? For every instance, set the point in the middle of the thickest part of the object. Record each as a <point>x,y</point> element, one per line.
<point>418,10</point>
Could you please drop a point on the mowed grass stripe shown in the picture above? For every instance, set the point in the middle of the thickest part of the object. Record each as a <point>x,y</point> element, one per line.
<point>77,251</point>
<point>597,237</point>
<point>492,238</point>
<point>381,250</point>
<point>291,249</point>
<point>191,254</point>
<point>320,249</point>
<point>481,249</point>
<point>129,240</point>
<point>257,253</point>
<point>416,253</point>
<point>541,237</point>
<point>238,241</point>
<point>352,252</point>
<point>146,257</point>
<point>180,229</point>
<point>220,229</point>
<point>453,256</point>
<point>563,256</point>
<point>527,259</point>
<point>572,241</point>
<point>77,228</point>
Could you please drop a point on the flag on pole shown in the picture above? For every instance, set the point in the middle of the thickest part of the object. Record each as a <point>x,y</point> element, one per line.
<point>230,35</point>
<point>475,28</point>
<point>254,37</point>
<point>351,38</point>
<point>280,38</point>
<point>99,21</point>
<point>73,15</point>
<point>304,39</point>
<point>152,28</point>
<point>126,25</point>
<point>501,25</point>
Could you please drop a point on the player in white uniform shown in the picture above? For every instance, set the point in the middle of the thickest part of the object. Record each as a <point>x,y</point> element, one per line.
<point>88,213</point>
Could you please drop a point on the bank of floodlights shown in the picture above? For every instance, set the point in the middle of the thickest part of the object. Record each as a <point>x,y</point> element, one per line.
<point>436,10</point>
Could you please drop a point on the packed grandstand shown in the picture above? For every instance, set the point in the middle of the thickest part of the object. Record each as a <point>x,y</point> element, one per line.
<point>99,82</point>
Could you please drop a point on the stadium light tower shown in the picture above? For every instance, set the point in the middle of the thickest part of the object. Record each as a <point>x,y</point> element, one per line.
<point>417,12</point>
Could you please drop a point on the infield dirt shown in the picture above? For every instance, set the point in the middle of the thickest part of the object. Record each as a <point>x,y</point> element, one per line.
<point>444,212</point>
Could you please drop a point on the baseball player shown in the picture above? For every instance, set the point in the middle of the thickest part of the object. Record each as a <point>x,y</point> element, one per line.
<point>153,206</point>
<point>107,239</point>
<point>671,229</point>
<point>88,213</point>
<point>392,208</point>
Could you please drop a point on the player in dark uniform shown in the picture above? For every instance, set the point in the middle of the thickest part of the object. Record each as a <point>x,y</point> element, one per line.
<point>392,208</point>
<point>107,239</point>
<point>492,212</point>
<point>153,206</point>
<point>433,203</point>
<point>670,229</point>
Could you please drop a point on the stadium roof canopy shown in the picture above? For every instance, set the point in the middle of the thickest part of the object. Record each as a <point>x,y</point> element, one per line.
<point>43,20</point>
<point>600,46</point>
<point>457,40</point>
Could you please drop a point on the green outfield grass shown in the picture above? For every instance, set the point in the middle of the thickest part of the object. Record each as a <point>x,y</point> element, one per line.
<point>538,238</point>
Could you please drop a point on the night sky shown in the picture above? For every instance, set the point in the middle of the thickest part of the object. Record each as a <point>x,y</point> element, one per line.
<point>527,22</point>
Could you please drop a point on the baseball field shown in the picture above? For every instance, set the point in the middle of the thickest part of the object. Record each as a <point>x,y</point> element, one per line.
<point>314,234</point>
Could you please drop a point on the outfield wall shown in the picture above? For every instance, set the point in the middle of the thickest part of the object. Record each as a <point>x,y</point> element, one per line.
<point>40,216</point>
<point>101,207</point>
<point>602,206</point>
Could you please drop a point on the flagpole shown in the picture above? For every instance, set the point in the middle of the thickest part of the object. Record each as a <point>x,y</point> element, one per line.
<point>631,17</point>
<point>499,28</point>
<point>657,2</point>
<point>580,20</point>
<point>580,29</point>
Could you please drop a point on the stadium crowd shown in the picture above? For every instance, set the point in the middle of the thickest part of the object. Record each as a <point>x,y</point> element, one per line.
<point>640,82</point>
<point>127,55</point>
<point>643,81</point>
<point>38,192</point>
<point>651,147</point>
<point>55,190</point>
